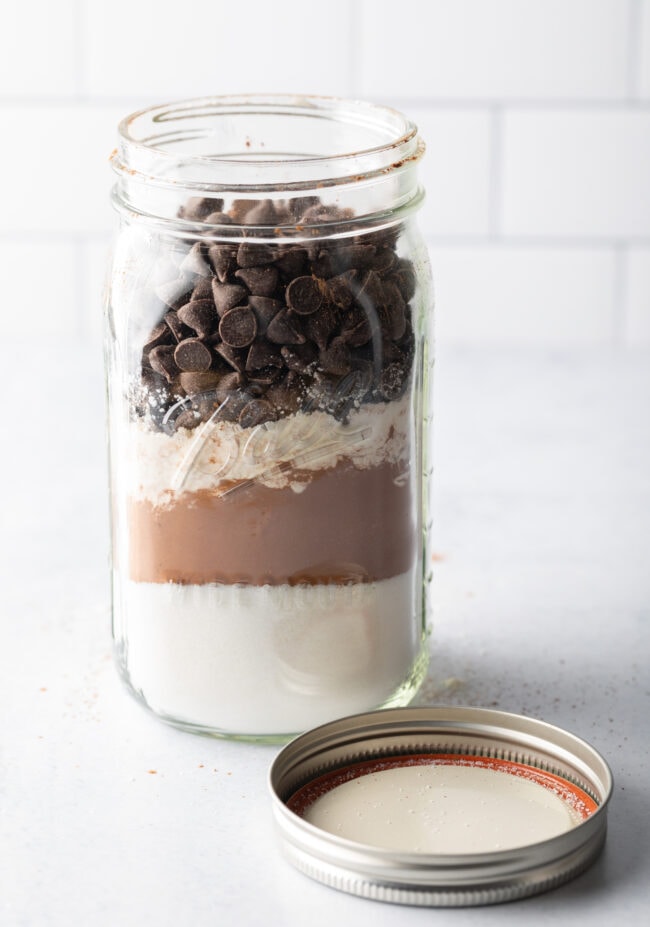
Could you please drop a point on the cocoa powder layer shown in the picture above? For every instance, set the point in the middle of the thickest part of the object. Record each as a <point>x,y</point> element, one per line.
<point>347,525</point>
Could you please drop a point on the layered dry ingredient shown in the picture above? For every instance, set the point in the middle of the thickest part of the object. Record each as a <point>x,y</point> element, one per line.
<point>273,515</point>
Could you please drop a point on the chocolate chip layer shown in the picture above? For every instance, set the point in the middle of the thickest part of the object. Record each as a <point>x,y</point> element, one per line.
<point>318,319</point>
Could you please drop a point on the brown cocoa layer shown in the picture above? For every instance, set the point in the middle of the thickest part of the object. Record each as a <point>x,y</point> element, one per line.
<point>346,525</point>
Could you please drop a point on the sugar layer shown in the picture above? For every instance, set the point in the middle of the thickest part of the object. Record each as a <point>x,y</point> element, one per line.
<point>267,660</point>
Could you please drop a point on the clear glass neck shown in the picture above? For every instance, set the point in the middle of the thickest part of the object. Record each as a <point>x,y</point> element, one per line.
<point>354,156</point>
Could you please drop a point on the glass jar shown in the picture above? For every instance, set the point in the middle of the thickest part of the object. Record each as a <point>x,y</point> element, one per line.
<point>267,380</point>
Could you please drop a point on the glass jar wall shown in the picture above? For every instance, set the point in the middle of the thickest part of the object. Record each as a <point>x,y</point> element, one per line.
<point>267,375</point>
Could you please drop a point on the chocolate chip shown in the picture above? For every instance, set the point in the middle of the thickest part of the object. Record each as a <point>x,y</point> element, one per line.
<point>218,218</point>
<point>296,382</point>
<point>222,258</point>
<point>358,334</point>
<point>228,383</point>
<point>194,382</point>
<point>198,207</point>
<point>304,295</point>
<point>285,399</point>
<point>313,248</point>
<point>262,354</point>
<point>175,293</point>
<point>162,361</point>
<point>232,356</point>
<point>336,358</point>
<point>203,289</point>
<point>238,327</point>
<point>227,295</point>
<point>364,375</point>
<point>368,291</point>
<point>239,208</point>
<point>321,265</point>
<point>213,339</point>
<point>158,335</point>
<point>261,281</point>
<point>386,238</point>
<point>359,257</point>
<point>265,309</point>
<point>260,380</point>
<point>292,262</point>
<point>383,261</point>
<point>300,358</point>
<point>262,214</point>
<point>319,214</point>
<point>250,254</point>
<point>188,418</point>
<point>404,277</point>
<point>229,408</point>
<point>176,327</point>
<point>201,315</point>
<point>299,205</point>
<point>192,355</point>
<point>320,326</point>
<point>339,289</point>
<point>195,262</point>
<point>256,412</point>
<point>406,343</point>
<point>389,353</point>
<point>283,330</point>
<point>395,311</point>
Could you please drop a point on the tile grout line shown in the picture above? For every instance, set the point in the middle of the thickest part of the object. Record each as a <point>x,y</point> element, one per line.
<point>620,294</point>
<point>495,173</point>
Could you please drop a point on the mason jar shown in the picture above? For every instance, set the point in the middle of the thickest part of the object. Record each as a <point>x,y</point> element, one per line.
<point>268,371</point>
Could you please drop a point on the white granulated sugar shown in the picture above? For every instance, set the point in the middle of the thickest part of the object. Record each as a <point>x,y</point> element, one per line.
<point>269,659</point>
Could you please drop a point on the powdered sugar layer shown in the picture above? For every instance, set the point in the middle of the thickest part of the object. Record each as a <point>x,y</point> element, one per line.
<point>268,659</point>
<point>277,454</point>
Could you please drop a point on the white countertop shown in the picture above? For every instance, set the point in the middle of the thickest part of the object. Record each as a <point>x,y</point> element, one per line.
<point>542,505</point>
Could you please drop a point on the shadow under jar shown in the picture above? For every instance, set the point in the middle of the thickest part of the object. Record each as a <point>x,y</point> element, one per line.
<point>267,380</point>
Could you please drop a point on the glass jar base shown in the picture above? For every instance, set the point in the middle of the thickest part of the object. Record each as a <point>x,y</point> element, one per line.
<point>400,698</point>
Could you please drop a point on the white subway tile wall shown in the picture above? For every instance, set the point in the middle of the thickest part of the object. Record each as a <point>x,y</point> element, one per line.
<point>643,27</point>
<point>163,50</point>
<point>503,294</point>
<point>578,174</point>
<point>494,49</point>
<point>536,114</point>
<point>637,318</point>
<point>38,49</point>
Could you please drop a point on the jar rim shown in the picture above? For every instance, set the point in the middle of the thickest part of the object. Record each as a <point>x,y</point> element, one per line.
<point>154,143</point>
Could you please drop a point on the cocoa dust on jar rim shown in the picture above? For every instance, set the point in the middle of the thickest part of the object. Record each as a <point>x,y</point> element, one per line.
<point>536,758</point>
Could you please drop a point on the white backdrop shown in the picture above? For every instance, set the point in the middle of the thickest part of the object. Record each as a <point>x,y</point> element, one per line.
<point>536,114</point>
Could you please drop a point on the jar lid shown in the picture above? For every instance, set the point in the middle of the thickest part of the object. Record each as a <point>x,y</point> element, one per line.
<point>440,806</point>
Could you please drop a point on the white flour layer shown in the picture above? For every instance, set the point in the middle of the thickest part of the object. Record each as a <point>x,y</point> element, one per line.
<point>268,659</point>
<point>277,454</point>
